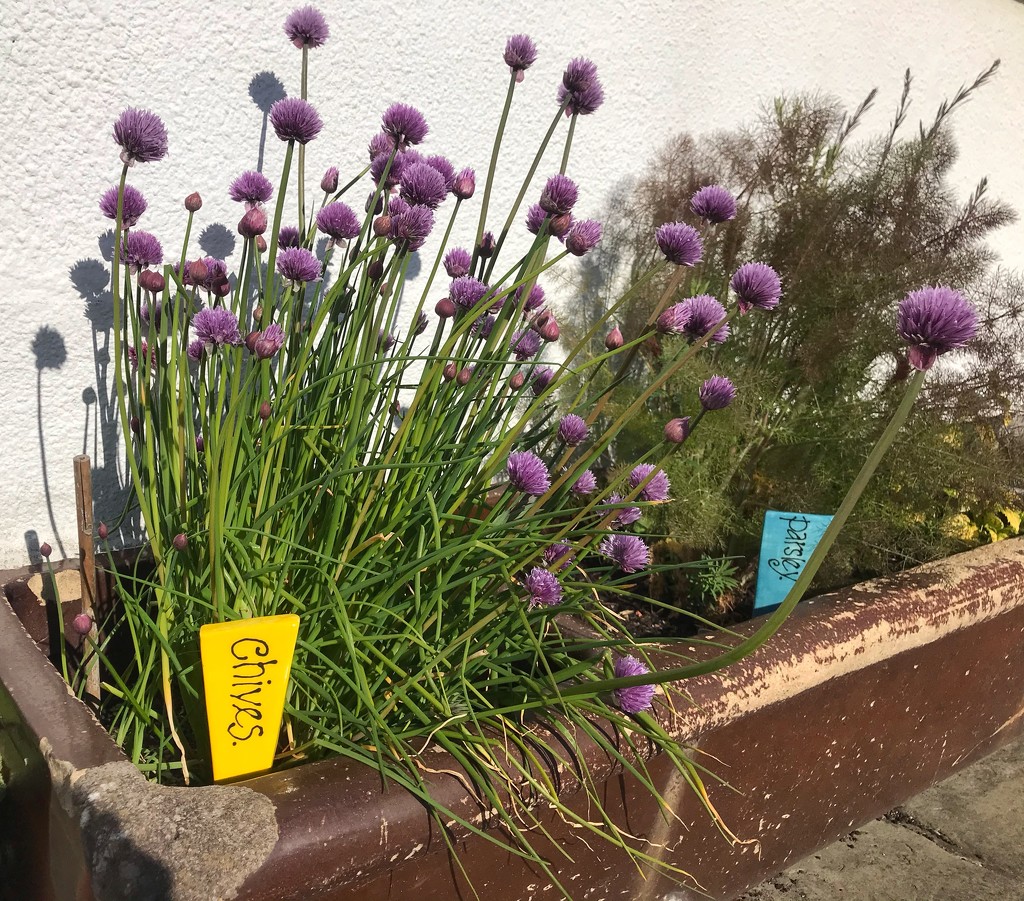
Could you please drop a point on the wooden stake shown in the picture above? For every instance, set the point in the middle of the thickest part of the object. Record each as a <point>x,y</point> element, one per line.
<point>87,568</point>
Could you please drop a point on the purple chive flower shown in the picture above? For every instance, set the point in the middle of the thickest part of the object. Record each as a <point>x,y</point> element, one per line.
<point>934,321</point>
<point>716,393</point>
<point>422,184</point>
<point>674,320</point>
<point>581,87</point>
<point>559,551</point>
<point>307,27</point>
<point>288,236</point>
<point>585,484</point>
<point>527,473</point>
<point>251,188</point>
<point>542,377</point>
<point>380,143</point>
<point>464,184</point>
<point>705,312</point>
<point>680,243</point>
<point>635,698</point>
<point>583,236</point>
<point>559,195</point>
<point>268,342</point>
<point>298,265</point>
<point>756,285</point>
<point>422,321</point>
<point>543,587</point>
<point>405,124</point>
<point>573,430</point>
<point>442,165</point>
<point>677,430</point>
<point>524,344</point>
<point>535,299</point>
<point>196,350</point>
<point>656,489</point>
<point>412,226</point>
<point>624,516</point>
<point>627,552</point>
<point>338,220</point>
<point>467,291</point>
<point>714,204</point>
<point>520,54</point>
<point>535,217</point>
<point>379,164</point>
<point>142,136</point>
<point>132,207</point>
<point>457,262</point>
<point>294,119</point>
<point>216,326</point>
<point>140,249</point>
<point>483,326</point>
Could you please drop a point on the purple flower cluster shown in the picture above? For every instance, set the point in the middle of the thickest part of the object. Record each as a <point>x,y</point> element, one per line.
<point>559,551</point>
<point>457,262</point>
<point>338,220</point>
<point>464,184</point>
<point>656,490</point>
<point>716,393</point>
<point>268,342</point>
<point>467,291</point>
<point>583,237</point>
<point>624,516</point>
<point>714,204</point>
<point>525,344</point>
<point>586,483</point>
<point>132,206</point>
<point>543,587</point>
<point>411,226</point>
<point>635,698</point>
<point>141,136</point>
<point>520,54</point>
<point>295,119</point>
<point>404,124</point>
<point>934,321</point>
<point>251,188</point>
<point>704,312</point>
<point>680,243</point>
<point>559,195</point>
<point>140,249</point>
<point>298,265</point>
<point>216,326</point>
<point>580,87</point>
<point>288,236</point>
<point>527,473</point>
<point>424,185</point>
<point>307,27</point>
<point>627,552</point>
<point>573,430</point>
<point>756,285</point>
<point>674,320</point>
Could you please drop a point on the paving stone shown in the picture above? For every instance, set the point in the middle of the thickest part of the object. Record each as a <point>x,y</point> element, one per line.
<point>888,862</point>
<point>981,810</point>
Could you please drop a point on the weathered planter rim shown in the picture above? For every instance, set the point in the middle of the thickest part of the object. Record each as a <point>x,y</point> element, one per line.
<point>826,638</point>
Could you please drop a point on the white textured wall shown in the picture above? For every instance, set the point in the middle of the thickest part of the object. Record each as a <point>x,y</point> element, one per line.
<point>66,70</point>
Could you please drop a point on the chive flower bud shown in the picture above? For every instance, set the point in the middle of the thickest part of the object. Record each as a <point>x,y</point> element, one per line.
<point>180,541</point>
<point>193,203</point>
<point>45,550</point>
<point>677,430</point>
<point>82,624</point>
<point>614,339</point>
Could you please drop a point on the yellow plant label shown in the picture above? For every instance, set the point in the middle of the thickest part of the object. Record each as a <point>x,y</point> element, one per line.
<point>246,665</point>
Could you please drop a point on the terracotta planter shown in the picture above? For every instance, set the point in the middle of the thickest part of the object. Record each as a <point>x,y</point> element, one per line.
<point>866,697</point>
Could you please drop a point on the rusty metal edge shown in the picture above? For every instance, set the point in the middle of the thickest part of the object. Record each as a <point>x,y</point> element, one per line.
<point>870,623</point>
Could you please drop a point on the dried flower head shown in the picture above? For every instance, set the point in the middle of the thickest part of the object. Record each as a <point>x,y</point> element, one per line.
<point>627,552</point>
<point>216,326</point>
<point>680,243</point>
<point>520,54</point>
<point>141,135</point>
<point>405,124</point>
<point>543,588</point>
<point>756,285</point>
<point>339,221</point>
<point>132,206</point>
<point>573,429</point>
<point>457,262</point>
<point>295,119</point>
<point>716,393</point>
<point>583,236</point>
<point>714,204</point>
<point>934,321</point>
<point>140,249</point>
<point>298,265</point>
<point>656,490</point>
<point>527,473</point>
<point>704,313</point>
<point>635,698</point>
<point>251,188</point>
<point>307,27</point>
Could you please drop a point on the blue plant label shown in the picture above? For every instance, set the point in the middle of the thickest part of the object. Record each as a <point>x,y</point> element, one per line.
<point>787,542</point>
